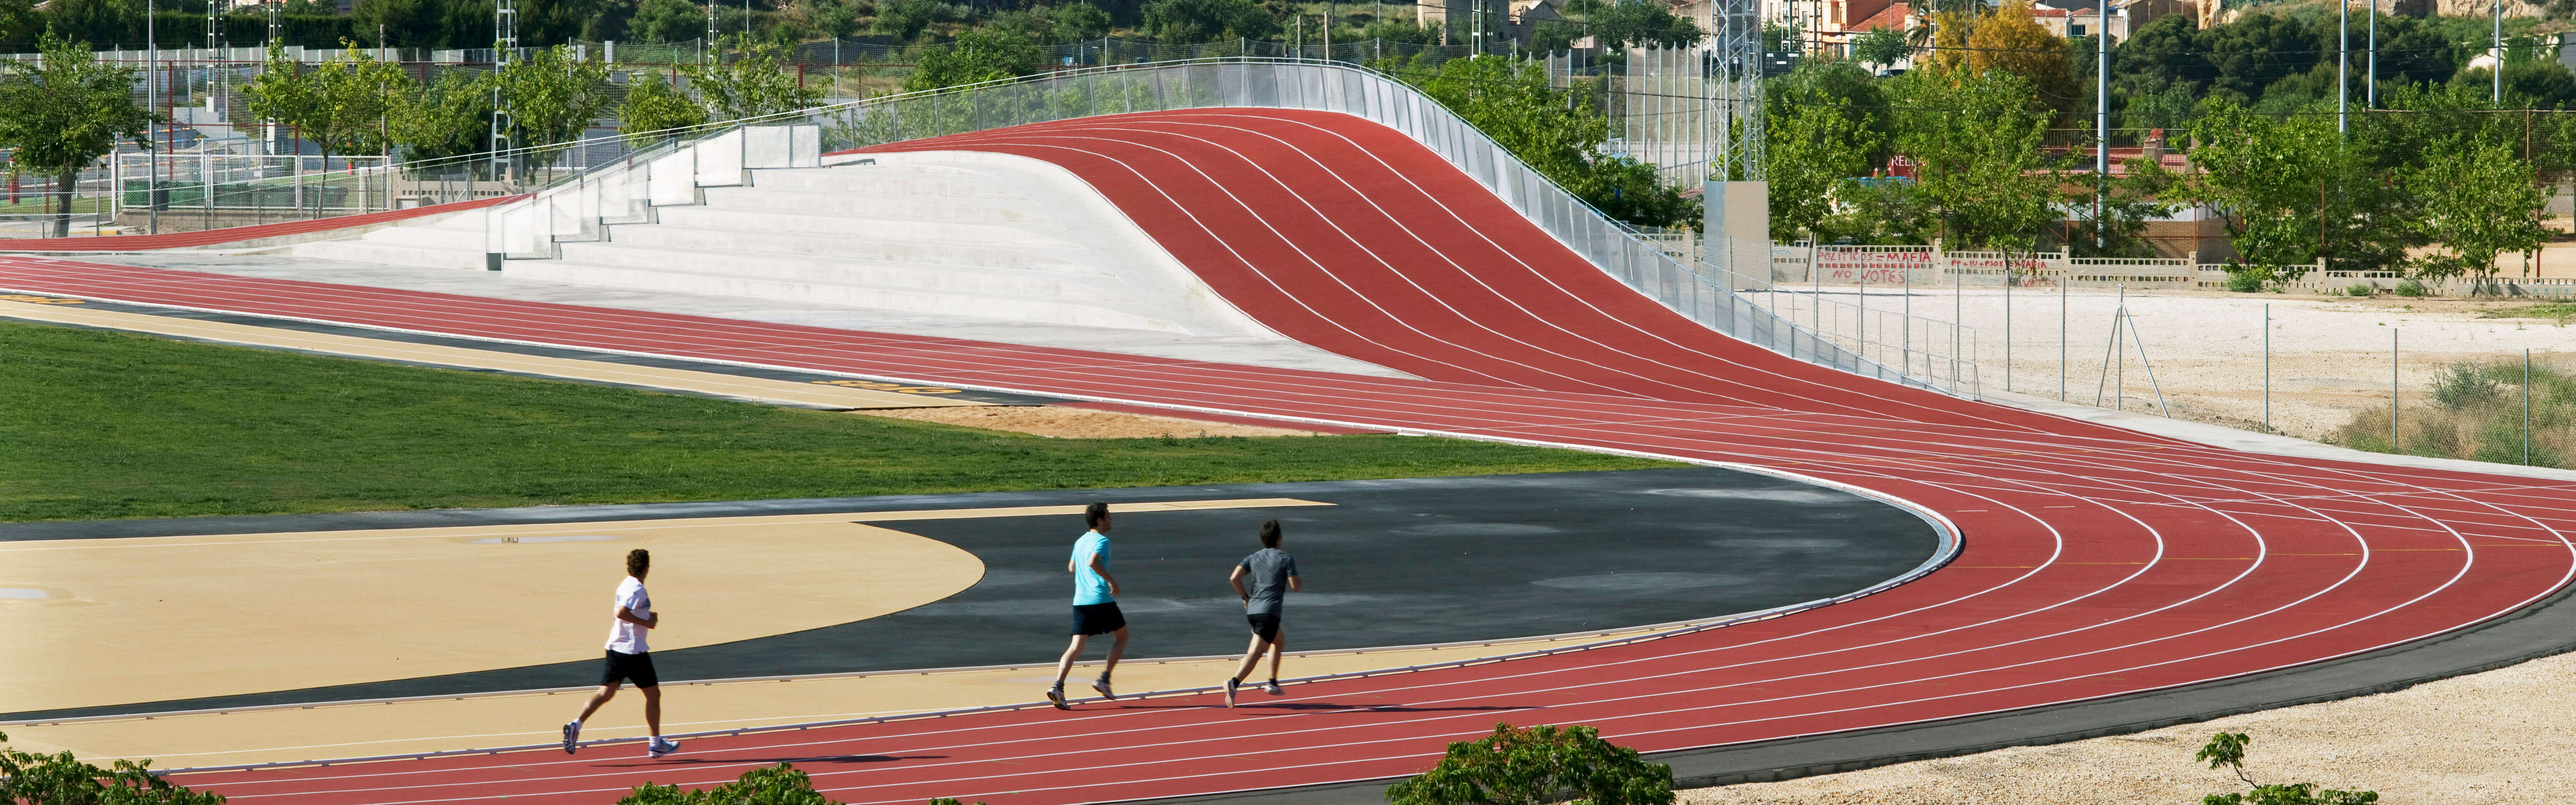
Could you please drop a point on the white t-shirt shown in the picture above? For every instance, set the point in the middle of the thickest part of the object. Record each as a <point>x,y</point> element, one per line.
<point>625,637</point>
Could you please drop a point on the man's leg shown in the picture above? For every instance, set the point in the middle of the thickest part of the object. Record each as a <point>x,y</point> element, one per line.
<point>605,693</point>
<point>1116,649</point>
<point>653,709</point>
<point>1064,667</point>
<point>1278,646</point>
<point>1251,657</point>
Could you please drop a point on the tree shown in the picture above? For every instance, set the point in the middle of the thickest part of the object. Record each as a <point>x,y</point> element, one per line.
<point>2011,41</point>
<point>653,109</point>
<point>836,19</point>
<point>50,779</point>
<point>1619,23</point>
<point>2291,191</point>
<point>667,21</point>
<point>63,113</point>
<point>1188,21</point>
<point>1826,126</point>
<point>1075,22</point>
<point>354,98</point>
<point>2478,201</point>
<point>1881,47</point>
<point>19,21</point>
<point>2259,50</point>
<point>978,55</point>
<point>451,116</point>
<point>553,97</point>
<point>760,83</point>
<point>2142,192</point>
<point>1556,133</point>
<point>1980,173</point>
<point>906,19</point>
<point>2227,749</point>
<point>1550,36</point>
<point>1537,765</point>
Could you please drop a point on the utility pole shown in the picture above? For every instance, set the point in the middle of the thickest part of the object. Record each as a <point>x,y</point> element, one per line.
<point>2370,88</point>
<point>152,101</point>
<point>2498,71</point>
<point>2343,63</point>
<point>505,40</point>
<point>711,31</point>
<point>2101,121</point>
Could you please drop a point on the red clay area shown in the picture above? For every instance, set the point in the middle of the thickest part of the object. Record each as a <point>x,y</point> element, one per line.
<point>2094,561</point>
<point>234,234</point>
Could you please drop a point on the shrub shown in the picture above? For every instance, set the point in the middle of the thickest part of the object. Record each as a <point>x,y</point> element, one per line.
<point>33,779</point>
<point>772,785</point>
<point>2228,749</point>
<point>1536,765</point>
<point>2410,288</point>
<point>2359,289</point>
<point>2247,279</point>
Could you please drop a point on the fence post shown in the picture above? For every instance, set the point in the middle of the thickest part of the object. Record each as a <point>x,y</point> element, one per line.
<point>2526,406</point>
<point>2393,443</point>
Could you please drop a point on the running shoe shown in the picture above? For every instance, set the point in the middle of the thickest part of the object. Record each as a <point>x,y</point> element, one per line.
<point>1102,685</point>
<point>1273,689</point>
<point>1056,695</point>
<point>572,736</point>
<point>660,746</point>
<point>1230,686</point>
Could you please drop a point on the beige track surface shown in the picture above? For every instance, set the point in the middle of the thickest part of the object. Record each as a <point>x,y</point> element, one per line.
<point>518,720</point>
<point>164,618</point>
<point>832,394</point>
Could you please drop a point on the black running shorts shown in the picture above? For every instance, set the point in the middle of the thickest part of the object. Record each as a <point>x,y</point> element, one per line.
<point>624,667</point>
<point>1265,625</point>
<point>1100,618</point>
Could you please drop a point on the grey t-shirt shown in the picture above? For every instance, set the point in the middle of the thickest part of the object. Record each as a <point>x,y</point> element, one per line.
<point>1269,569</point>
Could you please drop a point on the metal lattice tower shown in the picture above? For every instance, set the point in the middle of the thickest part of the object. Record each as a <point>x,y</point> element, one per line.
<point>1735,90</point>
<point>276,26</point>
<point>214,22</point>
<point>505,43</point>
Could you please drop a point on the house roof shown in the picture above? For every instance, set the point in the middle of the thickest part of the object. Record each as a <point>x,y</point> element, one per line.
<point>1893,16</point>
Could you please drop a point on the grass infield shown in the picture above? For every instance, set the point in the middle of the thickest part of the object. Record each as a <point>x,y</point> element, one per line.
<point>97,425</point>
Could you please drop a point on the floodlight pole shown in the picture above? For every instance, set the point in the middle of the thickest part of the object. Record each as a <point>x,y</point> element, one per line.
<point>2370,87</point>
<point>2101,121</point>
<point>151,101</point>
<point>505,39</point>
<point>2343,63</point>
<point>2498,71</point>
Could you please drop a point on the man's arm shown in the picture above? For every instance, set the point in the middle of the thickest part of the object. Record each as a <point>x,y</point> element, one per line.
<point>628,615</point>
<point>1236,580</point>
<point>1102,568</point>
<point>1296,583</point>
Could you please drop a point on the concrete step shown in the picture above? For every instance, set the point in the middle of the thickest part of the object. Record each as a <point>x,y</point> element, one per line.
<point>818,269</point>
<point>826,201</point>
<point>878,181</point>
<point>806,244</point>
<point>881,227</point>
<point>574,268</point>
<point>365,251</point>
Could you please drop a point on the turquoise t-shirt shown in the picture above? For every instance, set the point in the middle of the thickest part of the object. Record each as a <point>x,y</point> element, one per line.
<point>1088,586</point>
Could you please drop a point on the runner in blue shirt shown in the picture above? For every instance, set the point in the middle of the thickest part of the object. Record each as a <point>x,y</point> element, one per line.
<point>1095,604</point>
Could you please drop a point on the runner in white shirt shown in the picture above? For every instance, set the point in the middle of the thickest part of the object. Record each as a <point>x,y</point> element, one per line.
<point>629,659</point>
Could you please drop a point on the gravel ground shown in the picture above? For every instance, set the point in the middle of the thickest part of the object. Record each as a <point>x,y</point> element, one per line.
<point>2496,737</point>
<point>2330,357</point>
<point>1078,423</point>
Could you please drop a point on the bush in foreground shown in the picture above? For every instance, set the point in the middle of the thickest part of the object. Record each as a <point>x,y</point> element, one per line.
<point>1535,766</point>
<point>27,778</point>
<point>2227,749</point>
<point>772,785</point>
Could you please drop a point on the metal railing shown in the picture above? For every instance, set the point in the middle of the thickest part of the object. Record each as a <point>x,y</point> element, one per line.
<point>579,207</point>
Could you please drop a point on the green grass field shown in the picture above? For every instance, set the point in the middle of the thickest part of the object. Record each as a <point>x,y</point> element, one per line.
<point>97,425</point>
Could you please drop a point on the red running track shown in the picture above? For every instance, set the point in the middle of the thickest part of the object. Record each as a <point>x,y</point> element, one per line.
<point>2095,561</point>
<point>235,234</point>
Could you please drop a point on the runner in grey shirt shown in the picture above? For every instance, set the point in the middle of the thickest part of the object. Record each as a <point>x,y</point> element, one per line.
<point>1273,573</point>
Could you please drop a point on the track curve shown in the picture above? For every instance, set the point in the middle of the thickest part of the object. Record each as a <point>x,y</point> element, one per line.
<point>2095,561</point>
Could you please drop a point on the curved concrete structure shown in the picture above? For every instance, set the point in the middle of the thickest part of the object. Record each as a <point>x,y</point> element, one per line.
<point>2097,562</point>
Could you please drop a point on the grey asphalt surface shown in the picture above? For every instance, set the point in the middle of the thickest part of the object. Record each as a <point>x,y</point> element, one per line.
<point>1394,562</point>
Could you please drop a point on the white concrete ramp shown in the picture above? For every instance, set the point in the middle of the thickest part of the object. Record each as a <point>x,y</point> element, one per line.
<point>448,241</point>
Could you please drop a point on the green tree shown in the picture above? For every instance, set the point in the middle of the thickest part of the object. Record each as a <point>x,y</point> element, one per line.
<point>59,779</point>
<point>1981,173</point>
<point>759,83</point>
<point>906,19</point>
<point>63,113</point>
<point>553,97</point>
<point>1534,766</point>
<point>359,95</point>
<point>1556,132</point>
<point>2478,201</point>
<point>836,19</point>
<point>978,55</point>
<point>1189,21</point>
<point>667,21</point>
<point>20,21</point>
<point>1549,36</point>
<point>1824,128</point>
<point>1075,22</point>
<point>2227,750</point>
<point>653,109</point>
<point>1618,23</point>
<point>451,116</point>
<point>2143,191</point>
<point>2291,191</point>
<point>1881,47</point>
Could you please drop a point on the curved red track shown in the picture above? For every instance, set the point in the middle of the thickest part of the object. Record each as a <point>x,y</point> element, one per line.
<point>2096,561</point>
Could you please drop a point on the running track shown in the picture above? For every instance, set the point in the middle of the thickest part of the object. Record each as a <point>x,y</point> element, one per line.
<point>2096,561</point>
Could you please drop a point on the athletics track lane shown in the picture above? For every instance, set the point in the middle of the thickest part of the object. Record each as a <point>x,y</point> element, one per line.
<point>2095,562</point>
<point>2091,567</point>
